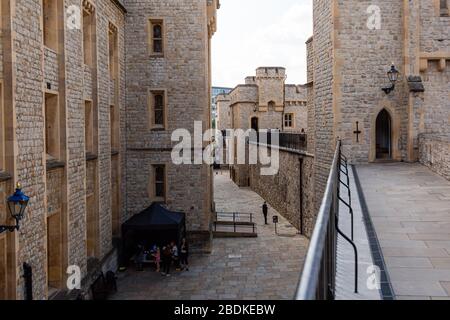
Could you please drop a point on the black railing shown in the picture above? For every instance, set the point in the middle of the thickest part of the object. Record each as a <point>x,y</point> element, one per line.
<point>235,222</point>
<point>294,141</point>
<point>318,280</point>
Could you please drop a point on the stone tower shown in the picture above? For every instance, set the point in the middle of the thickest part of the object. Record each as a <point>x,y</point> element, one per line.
<point>163,95</point>
<point>270,82</point>
<point>354,44</point>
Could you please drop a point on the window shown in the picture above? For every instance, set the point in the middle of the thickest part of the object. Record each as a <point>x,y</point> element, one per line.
<point>87,36</point>
<point>89,127</point>
<point>156,41</point>
<point>159,182</point>
<point>50,17</point>
<point>157,109</point>
<point>444,8</point>
<point>289,120</point>
<point>271,105</point>
<point>51,126</point>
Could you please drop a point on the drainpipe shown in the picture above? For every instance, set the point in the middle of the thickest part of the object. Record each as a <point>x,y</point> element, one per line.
<point>301,194</point>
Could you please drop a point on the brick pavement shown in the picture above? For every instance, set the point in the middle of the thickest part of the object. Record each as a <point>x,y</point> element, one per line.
<point>267,267</point>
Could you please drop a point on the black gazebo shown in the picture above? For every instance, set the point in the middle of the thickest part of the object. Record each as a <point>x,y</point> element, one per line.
<point>154,226</point>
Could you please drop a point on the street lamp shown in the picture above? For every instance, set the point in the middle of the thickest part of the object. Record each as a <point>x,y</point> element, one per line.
<point>392,74</point>
<point>17,203</point>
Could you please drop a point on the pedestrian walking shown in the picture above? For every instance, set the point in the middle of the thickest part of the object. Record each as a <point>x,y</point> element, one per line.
<point>265,210</point>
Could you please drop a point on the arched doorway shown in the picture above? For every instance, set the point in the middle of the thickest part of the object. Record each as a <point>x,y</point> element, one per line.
<point>255,124</point>
<point>384,135</point>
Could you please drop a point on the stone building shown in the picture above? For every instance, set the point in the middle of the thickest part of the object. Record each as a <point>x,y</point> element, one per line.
<point>216,91</point>
<point>353,47</point>
<point>86,116</point>
<point>168,88</point>
<point>265,101</point>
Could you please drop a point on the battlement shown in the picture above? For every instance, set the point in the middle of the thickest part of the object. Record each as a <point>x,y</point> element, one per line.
<point>272,72</point>
<point>250,80</point>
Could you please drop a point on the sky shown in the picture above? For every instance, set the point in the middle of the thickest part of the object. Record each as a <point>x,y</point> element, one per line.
<point>256,33</point>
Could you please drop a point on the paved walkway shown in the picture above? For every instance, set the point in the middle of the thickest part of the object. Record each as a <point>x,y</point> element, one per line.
<point>345,266</point>
<point>410,208</point>
<point>267,267</point>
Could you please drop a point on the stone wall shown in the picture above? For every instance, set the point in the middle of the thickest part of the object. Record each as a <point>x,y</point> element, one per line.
<point>283,192</point>
<point>59,188</point>
<point>323,93</point>
<point>359,73</point>
<point>224,112</point>
<point>435,153</point>
<point>270,81</point>
<point>29,136</point>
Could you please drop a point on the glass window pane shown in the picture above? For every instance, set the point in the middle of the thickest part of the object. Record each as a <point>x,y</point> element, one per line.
<point>159,117</point>
<point>157,31</point>
<point>157,46</point>
<point>159,190</point>
<point>159,101</point>
<point>159,174</point>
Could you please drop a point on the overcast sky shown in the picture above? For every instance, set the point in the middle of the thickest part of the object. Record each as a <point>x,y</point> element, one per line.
<point>254,33</point>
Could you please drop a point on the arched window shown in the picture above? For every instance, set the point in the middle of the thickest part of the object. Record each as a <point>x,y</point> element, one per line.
<point>157,37</point>
<point>271,105</point>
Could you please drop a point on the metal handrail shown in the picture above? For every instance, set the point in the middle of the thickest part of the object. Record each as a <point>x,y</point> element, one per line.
<point>237,219</point>
<point>318,280</point>
<point>236,216</point>
<point>319,270</point>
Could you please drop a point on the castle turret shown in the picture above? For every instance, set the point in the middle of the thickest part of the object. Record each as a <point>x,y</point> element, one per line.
<point>270,81</point>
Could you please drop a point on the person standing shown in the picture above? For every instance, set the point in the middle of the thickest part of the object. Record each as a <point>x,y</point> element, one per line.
<point>265,210</point>
<point>166,260</point>
<point>184,252</point>
<point>157,256</point>
<point>175,256</point>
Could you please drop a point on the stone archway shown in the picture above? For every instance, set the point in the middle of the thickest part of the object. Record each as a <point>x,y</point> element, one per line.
<point>383,136</point>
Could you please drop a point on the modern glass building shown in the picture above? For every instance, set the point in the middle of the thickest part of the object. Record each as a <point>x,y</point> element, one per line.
<point>215,92</point>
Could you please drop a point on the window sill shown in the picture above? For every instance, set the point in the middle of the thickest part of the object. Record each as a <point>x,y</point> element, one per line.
<point>54,164</point>
<point>157,129</point>
<point>156,55</point>
<point>91,156</point>
<point>55,51</point>
<point>4,176</point>
<point>159,200</point>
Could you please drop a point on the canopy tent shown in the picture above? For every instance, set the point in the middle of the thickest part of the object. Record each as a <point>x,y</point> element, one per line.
<point>154,226</point>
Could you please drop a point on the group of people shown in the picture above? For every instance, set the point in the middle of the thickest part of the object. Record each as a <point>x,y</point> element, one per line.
<point>170,254</point>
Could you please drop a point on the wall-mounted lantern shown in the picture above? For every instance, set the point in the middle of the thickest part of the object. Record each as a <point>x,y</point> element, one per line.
<point>393,74</point>
<point>17,203</point>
